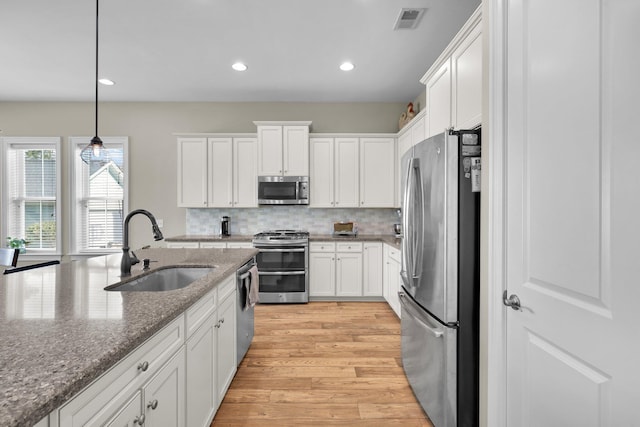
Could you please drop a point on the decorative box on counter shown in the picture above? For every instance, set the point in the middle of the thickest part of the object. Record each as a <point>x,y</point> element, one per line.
<point>348,229</point>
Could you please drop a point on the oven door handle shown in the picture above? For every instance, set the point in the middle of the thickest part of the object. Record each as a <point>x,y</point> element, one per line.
<point>281,250</point>
<point>281,273</point>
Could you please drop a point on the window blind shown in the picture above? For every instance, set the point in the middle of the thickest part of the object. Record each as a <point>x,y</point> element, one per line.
<point>32,193</point>
<point>99,198</point>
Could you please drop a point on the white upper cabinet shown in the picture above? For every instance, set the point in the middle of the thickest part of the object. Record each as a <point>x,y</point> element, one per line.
<point>192,172</point>
<point>439,100</point>
<point>466,67</point>
<point>454,82</point>
<point>295,153</point>
<point>347,173</point>
<point>270,150</point>
<point>217,172</point>
<point>221,176</point>
<point>321,178</point>
<point>418,129</point>
<point>245,172</point>
<point>283,148</point>
<point>377,172</point>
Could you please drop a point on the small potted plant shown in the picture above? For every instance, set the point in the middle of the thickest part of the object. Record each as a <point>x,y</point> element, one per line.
<point>17,243</point>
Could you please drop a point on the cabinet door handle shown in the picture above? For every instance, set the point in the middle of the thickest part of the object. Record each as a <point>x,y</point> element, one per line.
<point>222,320</point>
<point>153,404</point>
<point>139,420</point>
<point>143,366</point>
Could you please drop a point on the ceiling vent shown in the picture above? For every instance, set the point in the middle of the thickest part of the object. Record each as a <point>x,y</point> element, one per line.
<point>408,19</point>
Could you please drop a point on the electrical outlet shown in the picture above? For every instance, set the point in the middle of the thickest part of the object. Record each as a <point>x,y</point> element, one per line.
<point>160,223</point>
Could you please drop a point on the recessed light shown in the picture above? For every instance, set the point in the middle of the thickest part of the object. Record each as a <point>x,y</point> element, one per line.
<point>347,66</point>
<point>239,66</point>
<point>106,82</point>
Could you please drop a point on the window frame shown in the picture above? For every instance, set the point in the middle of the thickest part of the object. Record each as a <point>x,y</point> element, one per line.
<point>75,245</point>
<point>41,142</point>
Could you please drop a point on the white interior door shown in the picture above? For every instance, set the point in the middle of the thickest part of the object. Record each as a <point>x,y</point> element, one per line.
<point>572,196</point>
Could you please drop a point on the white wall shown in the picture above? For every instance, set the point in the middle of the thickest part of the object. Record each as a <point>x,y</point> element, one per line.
<point>152,145</point>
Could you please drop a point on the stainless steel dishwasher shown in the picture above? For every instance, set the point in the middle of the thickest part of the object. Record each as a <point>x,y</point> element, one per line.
<point>244,312</point>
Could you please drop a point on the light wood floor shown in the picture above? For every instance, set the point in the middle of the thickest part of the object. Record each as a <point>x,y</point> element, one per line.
<point>322,364</point>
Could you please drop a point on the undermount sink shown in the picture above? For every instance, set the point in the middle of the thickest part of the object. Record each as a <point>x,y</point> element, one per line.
<point>166,279</point>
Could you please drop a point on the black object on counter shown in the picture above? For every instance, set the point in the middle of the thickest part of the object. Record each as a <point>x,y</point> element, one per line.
<point>224,226</point>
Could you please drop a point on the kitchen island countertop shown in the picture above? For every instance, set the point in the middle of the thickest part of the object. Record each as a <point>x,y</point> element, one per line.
<point>60,329</point>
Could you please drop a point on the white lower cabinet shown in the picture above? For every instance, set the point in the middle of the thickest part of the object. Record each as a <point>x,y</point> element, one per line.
<point>211,357</point>
<point>164,395</point>
<point>226,361</point>
<point>209,245</point>
<point>345,269</point>
<point>243,245</point>
<point>202,396</point>
<point>178,377</point>
<point>372,269</point>
<point>391,283</point>
<point>322,270</point>
<point>349,270</point>
<point>183,245</point>
<point>131,413</point>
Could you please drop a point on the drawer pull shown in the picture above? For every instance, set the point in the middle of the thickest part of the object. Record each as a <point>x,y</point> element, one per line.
<point>153,404</point>
<point>143,366</point>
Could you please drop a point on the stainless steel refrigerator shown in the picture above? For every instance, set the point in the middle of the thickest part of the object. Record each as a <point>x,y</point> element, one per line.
<point>441,275</point>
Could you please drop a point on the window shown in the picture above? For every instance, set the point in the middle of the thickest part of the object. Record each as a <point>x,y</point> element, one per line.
<point>99,194</point>
<point>31,188</point>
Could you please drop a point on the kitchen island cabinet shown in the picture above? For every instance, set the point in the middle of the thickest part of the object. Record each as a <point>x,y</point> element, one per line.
<point>60,326</point>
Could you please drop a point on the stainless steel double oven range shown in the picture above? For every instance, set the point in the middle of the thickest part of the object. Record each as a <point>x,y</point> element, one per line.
<point>283,266</point>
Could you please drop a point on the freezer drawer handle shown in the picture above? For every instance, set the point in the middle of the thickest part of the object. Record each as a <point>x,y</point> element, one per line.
<point>434,332</point>
<point>513,301</point>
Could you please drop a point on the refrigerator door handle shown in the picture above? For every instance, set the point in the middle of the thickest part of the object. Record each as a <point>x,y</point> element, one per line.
<point>407,218</point>
<point>408,306</point>
<point>418,225</point>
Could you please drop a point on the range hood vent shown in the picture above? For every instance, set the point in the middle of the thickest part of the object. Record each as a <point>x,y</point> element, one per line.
<point>408,19</point>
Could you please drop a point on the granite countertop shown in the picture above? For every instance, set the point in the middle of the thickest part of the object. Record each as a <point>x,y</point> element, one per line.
<point>390,239</point>
<point>60,330</point>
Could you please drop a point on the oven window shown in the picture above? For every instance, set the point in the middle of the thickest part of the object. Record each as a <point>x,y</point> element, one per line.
<point>282,283</point>
<point>281,259</point>
<point>277,190</point>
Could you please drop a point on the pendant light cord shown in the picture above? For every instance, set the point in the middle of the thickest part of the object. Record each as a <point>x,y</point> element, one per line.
<point>97,14</point>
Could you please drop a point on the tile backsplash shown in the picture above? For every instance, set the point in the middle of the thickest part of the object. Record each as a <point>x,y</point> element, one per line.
<point>317,221</point>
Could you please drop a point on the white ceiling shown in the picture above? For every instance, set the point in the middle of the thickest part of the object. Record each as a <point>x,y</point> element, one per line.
<point>182,50</point>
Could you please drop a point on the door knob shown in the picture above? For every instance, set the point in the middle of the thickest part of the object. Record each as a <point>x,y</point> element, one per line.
<point>513,301</point>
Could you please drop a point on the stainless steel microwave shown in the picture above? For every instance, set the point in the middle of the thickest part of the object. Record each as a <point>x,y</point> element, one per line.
<point>283,190</point>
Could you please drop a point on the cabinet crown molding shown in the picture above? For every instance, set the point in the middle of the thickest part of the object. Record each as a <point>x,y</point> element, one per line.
<point>471,23</point>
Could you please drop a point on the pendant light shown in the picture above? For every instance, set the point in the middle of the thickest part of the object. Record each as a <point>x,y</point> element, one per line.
<point>95,153</point>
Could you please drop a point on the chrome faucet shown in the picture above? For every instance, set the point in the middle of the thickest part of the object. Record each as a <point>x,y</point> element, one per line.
<point>128,260</point>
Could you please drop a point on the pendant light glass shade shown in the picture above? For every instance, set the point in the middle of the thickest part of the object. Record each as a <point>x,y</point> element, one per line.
<point>95,154</point>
